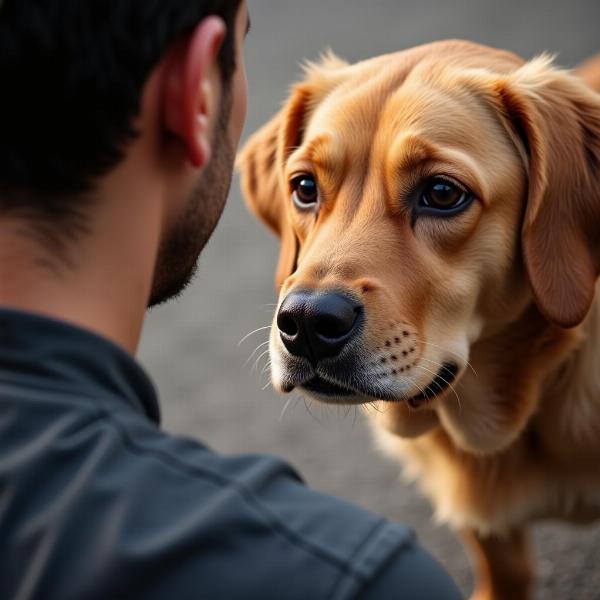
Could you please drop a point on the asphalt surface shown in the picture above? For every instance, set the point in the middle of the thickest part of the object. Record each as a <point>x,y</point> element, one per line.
<point>191,346</point>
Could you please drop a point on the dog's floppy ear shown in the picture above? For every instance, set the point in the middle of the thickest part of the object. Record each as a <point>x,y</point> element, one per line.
<point>557,119</point>
<point>263,190</point>
<point>262,160</point>
<point>261,164</point>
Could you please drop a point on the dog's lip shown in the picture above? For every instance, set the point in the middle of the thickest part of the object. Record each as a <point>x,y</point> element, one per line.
<point>441,382</point>
<point>326,388</point>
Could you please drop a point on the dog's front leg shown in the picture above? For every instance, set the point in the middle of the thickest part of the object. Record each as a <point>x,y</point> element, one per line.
<point>503,566</point>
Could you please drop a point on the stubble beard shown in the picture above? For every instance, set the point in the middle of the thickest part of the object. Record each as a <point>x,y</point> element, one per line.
<point>178,255</point>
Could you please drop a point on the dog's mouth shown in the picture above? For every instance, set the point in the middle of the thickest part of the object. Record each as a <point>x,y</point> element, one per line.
<point>441,382</point>
<point>318,385</point>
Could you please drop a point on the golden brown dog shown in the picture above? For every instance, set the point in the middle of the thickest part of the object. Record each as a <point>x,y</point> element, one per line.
<point>439,212</point>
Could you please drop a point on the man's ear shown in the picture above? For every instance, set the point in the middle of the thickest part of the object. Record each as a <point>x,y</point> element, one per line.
<point>262,160</point>
<point>192,89</point>
<point>557,119</point>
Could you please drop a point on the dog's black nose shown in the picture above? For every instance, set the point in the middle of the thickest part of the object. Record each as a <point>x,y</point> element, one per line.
<point>317,325</point>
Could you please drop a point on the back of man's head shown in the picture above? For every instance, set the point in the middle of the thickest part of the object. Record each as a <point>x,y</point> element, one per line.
<point>72,74</point>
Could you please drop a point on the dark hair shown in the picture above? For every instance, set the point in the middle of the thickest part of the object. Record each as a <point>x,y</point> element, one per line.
<point>71,78</point>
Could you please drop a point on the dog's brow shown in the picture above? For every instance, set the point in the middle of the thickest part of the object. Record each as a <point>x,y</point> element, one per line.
<point>411,151</point>
<point>322,151</point>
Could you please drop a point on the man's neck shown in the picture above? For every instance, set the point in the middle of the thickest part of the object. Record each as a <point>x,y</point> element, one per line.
<point>102,278</point>
<point>90,293</point>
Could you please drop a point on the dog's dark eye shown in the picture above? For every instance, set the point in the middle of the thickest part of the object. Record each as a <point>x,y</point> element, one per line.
<point>305,192</point>
<point>442,194</point>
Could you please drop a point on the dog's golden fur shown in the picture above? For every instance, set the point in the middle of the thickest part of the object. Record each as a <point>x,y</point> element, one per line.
<point>504,288</point>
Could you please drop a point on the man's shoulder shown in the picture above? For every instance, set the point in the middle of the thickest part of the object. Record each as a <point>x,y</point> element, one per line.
<point>119,497</point>
<point>262,503</point>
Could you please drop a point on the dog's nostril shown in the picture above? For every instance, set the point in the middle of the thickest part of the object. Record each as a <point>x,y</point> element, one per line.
<point>327,327</point>
<point>333,316</point>
<point>332,327</point>
<point>287,325</point>
<point>338,325</point>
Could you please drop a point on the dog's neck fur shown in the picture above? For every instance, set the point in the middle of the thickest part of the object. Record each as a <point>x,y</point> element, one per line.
<point>496,402</point>
<point>569,425</point>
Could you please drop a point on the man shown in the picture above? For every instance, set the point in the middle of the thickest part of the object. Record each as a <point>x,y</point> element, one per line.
<point>118,125</point>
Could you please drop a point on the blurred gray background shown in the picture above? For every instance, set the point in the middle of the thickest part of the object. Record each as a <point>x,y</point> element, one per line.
<point>191,346</point>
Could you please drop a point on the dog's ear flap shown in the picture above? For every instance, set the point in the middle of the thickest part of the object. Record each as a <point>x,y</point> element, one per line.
<point>257,163</point>
<point>557,119</point>
<point>264,192</point>
<point>261,163</point>
<point>262,160</point>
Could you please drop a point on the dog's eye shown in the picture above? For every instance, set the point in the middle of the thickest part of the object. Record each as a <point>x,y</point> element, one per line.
<point>305,192</point>
<point>441,194</point>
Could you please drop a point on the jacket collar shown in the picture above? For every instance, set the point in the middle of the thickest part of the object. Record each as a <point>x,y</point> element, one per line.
<point>38,350</point>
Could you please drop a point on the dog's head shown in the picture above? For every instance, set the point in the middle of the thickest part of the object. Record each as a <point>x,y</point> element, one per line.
<point>424,201</point>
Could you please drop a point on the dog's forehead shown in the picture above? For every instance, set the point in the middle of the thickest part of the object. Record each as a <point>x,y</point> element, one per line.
<point>380,106</point>
<point>438,109</point>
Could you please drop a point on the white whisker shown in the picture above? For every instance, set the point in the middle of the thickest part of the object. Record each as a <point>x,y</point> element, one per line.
<point>255,351</point>
<point>433,362</point>
<point>266,368</point>
<point>255,366</point>
<point>413,382</point>
<point>252,333</point>
<point>286,406</point>
<point>311,413</point>
<point>375,407</point>
<point>435,375</point>
<point>419,341</point>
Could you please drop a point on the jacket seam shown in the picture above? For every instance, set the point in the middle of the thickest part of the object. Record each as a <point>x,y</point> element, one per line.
<point>348,563</point>
<point>175,463</point>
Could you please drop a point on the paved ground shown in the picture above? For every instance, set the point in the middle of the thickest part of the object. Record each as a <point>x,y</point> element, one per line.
<point>191,347</point>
